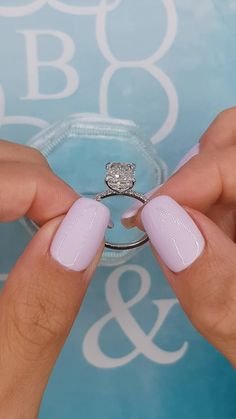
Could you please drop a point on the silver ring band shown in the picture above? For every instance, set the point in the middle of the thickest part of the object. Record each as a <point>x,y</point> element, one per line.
<point>120,180</point>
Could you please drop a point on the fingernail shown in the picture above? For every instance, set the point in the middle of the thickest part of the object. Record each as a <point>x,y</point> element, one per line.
<point>172,232</point>
<point>191,153</point>
<point>111,223</point>
<point>80,234</point>
<point>132,211</point>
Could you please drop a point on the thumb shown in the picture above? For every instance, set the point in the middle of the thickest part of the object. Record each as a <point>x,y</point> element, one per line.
<point>198,260</point>
<point>42,297</point>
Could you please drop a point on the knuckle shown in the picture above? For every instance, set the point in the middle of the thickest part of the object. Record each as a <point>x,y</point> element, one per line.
<point>37,156</point>
<point>210,295</point>
<point>39,322</point>
<point>225,119</point>
<point>219,322</point>
<point>227,114</point>
<point>214,311</point>
<point>33,155</point>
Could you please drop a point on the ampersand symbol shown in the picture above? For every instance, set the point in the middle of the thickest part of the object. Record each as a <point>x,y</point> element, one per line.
<point>119,310</point>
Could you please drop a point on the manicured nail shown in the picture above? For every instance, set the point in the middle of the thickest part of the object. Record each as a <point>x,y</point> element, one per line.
<point>132,211</point>
<point>172,233</point>
<point>191,153</point>
<point>80,234</point>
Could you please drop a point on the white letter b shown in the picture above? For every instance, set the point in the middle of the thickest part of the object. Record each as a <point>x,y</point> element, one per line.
<point>61,64</point>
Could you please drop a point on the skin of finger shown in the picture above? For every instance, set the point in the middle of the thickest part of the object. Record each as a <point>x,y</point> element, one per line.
<point>222,131</point>
<point>38,306</point>
<point>220,134</point>
<point>10,151</point>
<point>205,180</point>
<point>32,190</point>
<point>207,289</point>
<point>224,217</point>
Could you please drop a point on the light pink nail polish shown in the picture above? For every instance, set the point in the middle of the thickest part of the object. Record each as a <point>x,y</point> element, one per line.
<point>80,234</point>
<point>132,211</point>
<point>172,232</point>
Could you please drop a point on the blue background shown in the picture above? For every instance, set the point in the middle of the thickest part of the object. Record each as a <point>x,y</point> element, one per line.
<point>200,65</point>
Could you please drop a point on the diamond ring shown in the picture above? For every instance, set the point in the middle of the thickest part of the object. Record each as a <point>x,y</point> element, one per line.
<point>120,179</point>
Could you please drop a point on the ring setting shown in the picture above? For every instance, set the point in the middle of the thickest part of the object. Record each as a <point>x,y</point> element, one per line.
<point>120,180</point>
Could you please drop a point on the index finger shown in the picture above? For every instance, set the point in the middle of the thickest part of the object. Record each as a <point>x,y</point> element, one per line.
<point>208,178</point>
<point>33,190</point>
<point>222,131</point>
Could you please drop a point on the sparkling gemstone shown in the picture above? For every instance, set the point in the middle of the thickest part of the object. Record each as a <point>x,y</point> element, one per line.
<point>120,177</point>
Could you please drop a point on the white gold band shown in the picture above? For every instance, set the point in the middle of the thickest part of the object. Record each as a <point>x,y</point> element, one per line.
<point>120,178</point>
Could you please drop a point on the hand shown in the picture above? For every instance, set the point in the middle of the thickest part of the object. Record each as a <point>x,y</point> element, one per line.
<point>191,225</point>
<point>45,289</point>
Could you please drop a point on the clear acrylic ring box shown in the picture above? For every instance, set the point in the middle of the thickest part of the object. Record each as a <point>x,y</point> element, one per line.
<point>78,148</point>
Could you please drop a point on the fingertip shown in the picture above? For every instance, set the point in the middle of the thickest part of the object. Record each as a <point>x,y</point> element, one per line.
<point>129,215</point>
<point>80,234</point>
<point>128,222</point>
